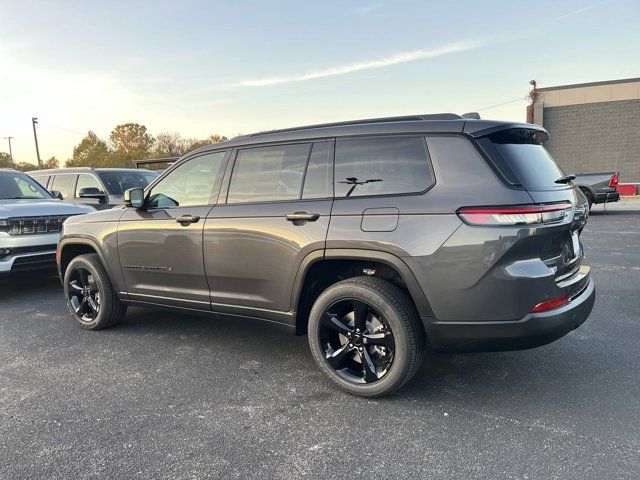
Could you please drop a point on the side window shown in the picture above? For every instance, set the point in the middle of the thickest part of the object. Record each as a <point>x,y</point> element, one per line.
<point>87,181</point>
<point>268,173</point>
<point>62,183</point>
<point>189,184</point>
<point>381,166</point>
<point>318,182</point>
<point>42,180</point>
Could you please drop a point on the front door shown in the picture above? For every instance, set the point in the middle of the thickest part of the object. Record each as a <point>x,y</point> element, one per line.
<point>276,212</point>
<point>160,246</point>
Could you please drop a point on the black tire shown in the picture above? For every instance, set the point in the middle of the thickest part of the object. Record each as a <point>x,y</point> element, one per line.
<point>87,286</point>
<point>398,317</point>
<point>589,197</point>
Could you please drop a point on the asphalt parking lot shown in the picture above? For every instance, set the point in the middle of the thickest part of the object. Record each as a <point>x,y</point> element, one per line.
<point>169,396</point>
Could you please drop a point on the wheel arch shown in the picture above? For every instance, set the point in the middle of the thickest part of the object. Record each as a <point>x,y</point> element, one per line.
<point>71,247</point>
<point>332,262</point>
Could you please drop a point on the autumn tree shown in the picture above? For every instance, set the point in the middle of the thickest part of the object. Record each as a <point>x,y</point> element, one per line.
<point>214,138</point>
<point>51,163</point>
<point>5,160</point>
<point>130,141</point>
<point>90,152</point>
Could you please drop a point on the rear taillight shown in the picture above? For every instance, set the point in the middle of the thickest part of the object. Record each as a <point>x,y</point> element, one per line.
<point>514,215</point>
<point>550,304</point>
<point>613,182</point>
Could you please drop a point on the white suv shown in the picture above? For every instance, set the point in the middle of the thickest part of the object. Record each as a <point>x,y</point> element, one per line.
<point>30,222</point>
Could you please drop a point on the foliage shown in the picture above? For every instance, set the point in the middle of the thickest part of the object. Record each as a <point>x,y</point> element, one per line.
<point>130,141</point>
<point>5,160</point>
<point>51,163</point>
<point>90,152</point>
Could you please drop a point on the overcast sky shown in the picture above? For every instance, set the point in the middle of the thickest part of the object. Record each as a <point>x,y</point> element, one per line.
<point>202,67</point>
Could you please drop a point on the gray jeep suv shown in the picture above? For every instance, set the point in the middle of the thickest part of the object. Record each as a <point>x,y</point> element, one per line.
<point>379,238</point>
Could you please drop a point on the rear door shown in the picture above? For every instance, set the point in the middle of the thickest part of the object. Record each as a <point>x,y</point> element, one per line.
<point>274,212</point>
<point>160,246</point>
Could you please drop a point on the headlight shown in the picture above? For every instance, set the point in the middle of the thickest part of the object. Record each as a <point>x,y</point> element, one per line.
<point>4,226</point>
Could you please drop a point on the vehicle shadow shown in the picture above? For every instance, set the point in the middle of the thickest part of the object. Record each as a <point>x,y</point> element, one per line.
<point>23,284</point>
<point>542,376</point>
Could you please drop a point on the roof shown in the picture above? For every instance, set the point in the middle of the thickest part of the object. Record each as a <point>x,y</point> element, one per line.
<point>420,124</point>
<point>590,84</point>
<point>88,169</point>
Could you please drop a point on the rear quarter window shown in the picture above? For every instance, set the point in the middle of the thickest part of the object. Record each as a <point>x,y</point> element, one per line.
<point>381,166</point>
<point>521,159</point>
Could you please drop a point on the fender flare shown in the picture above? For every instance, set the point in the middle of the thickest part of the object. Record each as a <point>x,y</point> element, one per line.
<point>395,262</point>
<point>83,240</point>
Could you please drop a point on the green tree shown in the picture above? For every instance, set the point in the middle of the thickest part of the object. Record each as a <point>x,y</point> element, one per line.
<point>130,141</point>
<point>5,160</point>
<point>90,152</point>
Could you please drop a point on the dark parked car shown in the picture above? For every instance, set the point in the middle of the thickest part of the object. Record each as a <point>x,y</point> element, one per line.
<point>101,188</point>
<point>599,187</point>
<point>379,238</point>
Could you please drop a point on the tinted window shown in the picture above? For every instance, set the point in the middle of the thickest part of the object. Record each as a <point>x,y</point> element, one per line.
<point>381,166</point>
<point>87,181</point>
<point>317,181</point>
<point>119,181</point>
<point>522,160</point>
<point>62,183</point>
<point>268,173</point>
<point>19,186</point>
<point>189,184</point>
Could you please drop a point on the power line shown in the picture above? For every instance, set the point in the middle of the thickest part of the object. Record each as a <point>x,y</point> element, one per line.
<point>61,128</point>
<point>503,103</point>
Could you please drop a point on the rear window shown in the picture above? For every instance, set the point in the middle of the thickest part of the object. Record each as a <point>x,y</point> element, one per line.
<point>519,156</point>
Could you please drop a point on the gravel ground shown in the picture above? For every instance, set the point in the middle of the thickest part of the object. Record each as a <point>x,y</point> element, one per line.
<point>171,396</point>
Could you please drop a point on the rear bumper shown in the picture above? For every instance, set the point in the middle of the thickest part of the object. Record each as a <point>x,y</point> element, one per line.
<point>607,197</point>
<point>534,330</point>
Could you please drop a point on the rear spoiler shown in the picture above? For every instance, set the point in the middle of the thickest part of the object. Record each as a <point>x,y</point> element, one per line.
<point>478,130</point>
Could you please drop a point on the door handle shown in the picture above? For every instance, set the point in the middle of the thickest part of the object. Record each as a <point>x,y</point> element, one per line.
<point>186,220</point>
<point>300,218</point>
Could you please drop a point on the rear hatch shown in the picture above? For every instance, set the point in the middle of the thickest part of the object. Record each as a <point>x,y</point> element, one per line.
<point>517,155</point>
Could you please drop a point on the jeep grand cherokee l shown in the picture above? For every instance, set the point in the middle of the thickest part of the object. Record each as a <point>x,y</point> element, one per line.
<point>379,238</point>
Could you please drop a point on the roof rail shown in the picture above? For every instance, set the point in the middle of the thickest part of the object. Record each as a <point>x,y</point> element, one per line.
<point>406,118</point>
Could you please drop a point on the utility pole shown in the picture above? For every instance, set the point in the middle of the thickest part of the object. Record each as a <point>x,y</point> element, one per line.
<point>10,152</point>
<point>34,121</point>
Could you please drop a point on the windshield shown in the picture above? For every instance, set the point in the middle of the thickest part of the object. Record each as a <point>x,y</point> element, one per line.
<point>522,160</point>
<point>117,182</point>
<point>18,186</point>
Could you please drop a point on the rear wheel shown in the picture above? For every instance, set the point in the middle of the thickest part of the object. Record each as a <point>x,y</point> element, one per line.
<point>366,335</point>
<point>89,294</point>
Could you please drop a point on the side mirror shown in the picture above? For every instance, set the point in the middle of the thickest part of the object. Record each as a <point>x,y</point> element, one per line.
<point>57,194</point>
<point>91,192</point>
<point>134,197</point>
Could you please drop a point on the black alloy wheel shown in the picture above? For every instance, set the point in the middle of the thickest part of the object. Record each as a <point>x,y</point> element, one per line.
<point>89,295</point>
<point>83,294</point>
<point>357,341</point>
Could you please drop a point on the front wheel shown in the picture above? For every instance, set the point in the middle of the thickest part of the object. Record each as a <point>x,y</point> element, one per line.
<point>366,336</point>
<point>89,294</point>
